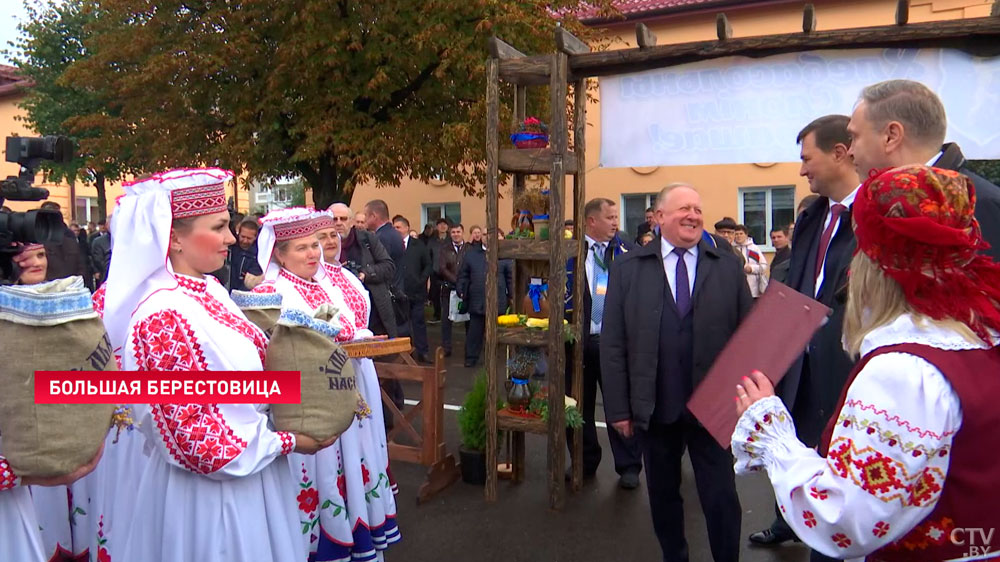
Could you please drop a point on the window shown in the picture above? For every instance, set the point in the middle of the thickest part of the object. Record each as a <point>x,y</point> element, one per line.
<point>86,209</point>
<point>763,208</point>
<point>431,212</point>
<point>633,211</point>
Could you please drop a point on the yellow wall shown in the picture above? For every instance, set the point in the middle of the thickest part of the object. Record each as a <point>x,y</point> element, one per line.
<point>60,192</point>
<point>719,184</point>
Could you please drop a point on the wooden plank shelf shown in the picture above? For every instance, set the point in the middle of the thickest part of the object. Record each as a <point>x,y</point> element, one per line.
<point>507,421</point>
<point>521,335</point>
<point>534,161</point>
<point>530,249</point>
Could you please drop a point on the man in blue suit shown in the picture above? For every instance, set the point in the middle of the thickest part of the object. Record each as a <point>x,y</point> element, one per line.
<point>604,245</point>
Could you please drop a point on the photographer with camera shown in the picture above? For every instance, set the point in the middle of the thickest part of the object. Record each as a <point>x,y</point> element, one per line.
<point>65,257</point>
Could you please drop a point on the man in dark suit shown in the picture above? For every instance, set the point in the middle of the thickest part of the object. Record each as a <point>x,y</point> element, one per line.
<point>821,255</point>
<point>450,256</point>
<point>605,244</point>
<point>416,266</point>
<point>900,122</point>
<point>471,286</point>
<point>670,309</point>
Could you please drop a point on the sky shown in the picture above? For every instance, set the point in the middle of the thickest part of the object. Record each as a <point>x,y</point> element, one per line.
<point>11,12</point>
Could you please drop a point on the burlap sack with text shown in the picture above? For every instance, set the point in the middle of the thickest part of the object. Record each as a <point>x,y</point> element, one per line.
<point>50,327</point>
<point>262,309</point>
<point>330,398</point>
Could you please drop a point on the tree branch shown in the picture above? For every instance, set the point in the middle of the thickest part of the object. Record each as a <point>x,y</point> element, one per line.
<point>399,96</point>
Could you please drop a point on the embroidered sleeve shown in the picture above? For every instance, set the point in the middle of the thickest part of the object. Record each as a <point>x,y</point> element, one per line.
<point>218,440</point>
<point>347,332</point>
<point>8,479</point>
<point>98,301</point>
<point>887,463</point>
<point>265,288</point>
<point>164,341</point>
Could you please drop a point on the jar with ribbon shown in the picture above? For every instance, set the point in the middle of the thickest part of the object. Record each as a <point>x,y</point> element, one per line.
<point>536,303</point>
<point>520,367</point>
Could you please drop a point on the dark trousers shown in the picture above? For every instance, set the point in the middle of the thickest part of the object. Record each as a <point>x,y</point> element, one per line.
<point>434,295</point>
<point>663,447</point>
<point>416,328</point>
<point>626,452</point>
<point>474,335</point>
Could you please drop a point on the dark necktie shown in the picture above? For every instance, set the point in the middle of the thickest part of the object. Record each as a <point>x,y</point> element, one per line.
<point>682,292</point>
<point>824,241</point>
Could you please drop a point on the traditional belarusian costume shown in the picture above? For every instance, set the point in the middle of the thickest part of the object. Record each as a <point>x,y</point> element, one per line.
<point>909,460</point>
<point>19,536</point>
<point>345,499</point>
<point>215,488</point>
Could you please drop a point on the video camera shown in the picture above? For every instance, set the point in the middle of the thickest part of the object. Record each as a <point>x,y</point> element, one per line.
<point>31,227</point>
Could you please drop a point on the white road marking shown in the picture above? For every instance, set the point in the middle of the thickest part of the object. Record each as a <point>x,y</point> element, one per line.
<point>455,408</point>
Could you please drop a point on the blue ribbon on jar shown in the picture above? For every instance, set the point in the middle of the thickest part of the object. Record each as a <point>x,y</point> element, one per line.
<point>517,380</point>
<point>540,217</point>
<point>536,292</point>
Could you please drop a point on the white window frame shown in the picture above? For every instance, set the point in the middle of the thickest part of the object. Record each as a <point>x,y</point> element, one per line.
<point>425,206</point>
<point>650,199</point>
<point>768,210</point>
<point>91,204</point>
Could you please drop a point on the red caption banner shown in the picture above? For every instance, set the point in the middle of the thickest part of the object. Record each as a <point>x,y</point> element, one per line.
<point>173,387</point>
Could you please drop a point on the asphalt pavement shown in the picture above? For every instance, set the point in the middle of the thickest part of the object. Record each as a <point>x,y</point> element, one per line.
<point>601,522</point>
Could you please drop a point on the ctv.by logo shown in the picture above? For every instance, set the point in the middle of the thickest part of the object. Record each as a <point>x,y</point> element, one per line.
<point>978,542</point>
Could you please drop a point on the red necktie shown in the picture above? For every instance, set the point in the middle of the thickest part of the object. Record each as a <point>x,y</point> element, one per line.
<point>824,241</point>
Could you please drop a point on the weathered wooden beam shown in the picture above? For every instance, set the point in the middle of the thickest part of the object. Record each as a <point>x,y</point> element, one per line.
<point>644,37</point>
<point>534,161</point>
<point>499,49</point>
<point>996,8</point>
<point>979,36</point>
<point>492,211</point>
<point>568,43</point>
<point>527,71</point>
<point>723,29</point>
<point>902,12</point>
<point>808,18</point>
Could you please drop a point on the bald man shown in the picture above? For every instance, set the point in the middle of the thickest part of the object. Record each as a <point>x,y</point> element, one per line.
<point>683,298</point>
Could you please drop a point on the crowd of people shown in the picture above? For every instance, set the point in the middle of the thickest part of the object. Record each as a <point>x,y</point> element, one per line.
<point>876,440</point>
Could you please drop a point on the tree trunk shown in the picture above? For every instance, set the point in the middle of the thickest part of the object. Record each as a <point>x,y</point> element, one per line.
<point>102,196</point>
<point>330,183</point>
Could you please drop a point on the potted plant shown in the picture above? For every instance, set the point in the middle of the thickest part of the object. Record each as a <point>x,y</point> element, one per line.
<point>472,426</point>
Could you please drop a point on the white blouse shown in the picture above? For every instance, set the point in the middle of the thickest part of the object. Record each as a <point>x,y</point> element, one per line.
<point>888,457</point>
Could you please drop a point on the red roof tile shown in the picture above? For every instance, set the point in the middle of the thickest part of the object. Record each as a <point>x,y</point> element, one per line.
<point>10,81</point>
<point>632,9</point>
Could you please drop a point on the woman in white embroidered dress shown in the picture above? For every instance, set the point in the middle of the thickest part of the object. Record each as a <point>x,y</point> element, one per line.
<point>215,487</point>
<point>346,504</point>
<point>921,297</point>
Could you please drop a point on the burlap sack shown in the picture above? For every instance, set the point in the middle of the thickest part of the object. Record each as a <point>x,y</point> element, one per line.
<point>262,309</point>
<point>330,397</point>
<point>50,327</point>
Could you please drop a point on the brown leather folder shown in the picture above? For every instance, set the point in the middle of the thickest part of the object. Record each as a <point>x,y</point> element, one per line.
<point>769,340</point>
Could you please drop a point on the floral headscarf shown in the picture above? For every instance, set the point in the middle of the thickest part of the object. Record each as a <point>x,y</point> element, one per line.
<point>917,223</point>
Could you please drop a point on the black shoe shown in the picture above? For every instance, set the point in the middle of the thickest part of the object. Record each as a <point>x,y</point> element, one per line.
<point>470,363</point>
<point>629,480</point>
<point>447,353</point>
<point>771,537</point>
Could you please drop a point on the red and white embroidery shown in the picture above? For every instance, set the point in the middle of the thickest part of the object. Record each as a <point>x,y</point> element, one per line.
<point>841,540</point>
<point>7,477</point>
<point>312,293</point>
<point>197,436</point>
<point>287,442</point>
<point>266,288</point>
<point>883,476</point>
<point>98,301</point>
<point>164,341</point>
<point>353,297</point>
<point>198,291</point>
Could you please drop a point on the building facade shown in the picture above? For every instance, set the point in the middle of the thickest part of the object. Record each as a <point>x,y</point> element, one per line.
<point>761,194</point>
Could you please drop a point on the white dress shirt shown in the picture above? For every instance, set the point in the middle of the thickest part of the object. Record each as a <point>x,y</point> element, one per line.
<point>670,266</point>
<point>847,202</point>
<point>595,327</point>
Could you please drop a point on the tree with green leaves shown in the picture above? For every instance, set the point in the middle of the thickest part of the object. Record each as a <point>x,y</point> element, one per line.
<point>51,39</point>
<point>338,92</point>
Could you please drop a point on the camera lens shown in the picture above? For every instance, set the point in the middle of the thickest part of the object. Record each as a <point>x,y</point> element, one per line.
<point>32,227</point>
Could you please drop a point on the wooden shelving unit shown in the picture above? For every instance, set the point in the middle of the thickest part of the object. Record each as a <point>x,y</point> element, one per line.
<point>539,257</point>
